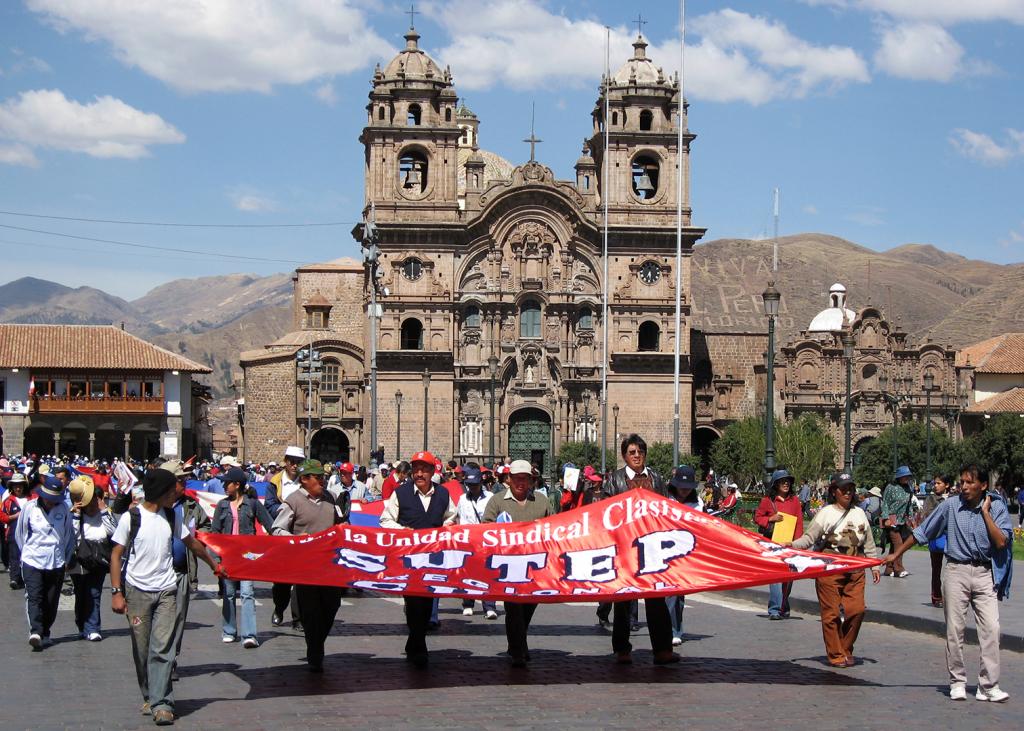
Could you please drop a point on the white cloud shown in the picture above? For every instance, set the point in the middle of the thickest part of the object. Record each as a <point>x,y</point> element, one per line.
<point>982,148</point>
<point>18,155</point>
<point>810,210</point>
<point>249,201</point>
<point>1014,237</point>
<point>924,52</point>
<point>327,94</point>
<point>105,127</point>
<point>242,45</point>
<point>739,57</point>
<point>949,12</point>
<point>25,62</point>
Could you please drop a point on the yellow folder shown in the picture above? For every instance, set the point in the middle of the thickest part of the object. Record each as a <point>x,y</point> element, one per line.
<point>784,529</point>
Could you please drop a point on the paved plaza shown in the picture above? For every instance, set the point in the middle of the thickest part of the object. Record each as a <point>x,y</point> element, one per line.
<point>739,671</point>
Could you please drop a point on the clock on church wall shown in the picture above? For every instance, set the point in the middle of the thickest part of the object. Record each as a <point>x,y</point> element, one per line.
<point>650,272</point>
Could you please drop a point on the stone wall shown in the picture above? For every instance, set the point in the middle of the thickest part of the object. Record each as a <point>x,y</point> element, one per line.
<point>270,412</point>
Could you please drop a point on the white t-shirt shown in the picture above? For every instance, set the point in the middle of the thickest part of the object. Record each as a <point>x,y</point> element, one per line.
<point>151,565</point>
<point>288,486</point>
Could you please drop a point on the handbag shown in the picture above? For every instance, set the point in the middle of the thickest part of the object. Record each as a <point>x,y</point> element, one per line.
<point>819,545</point>
<point>92,555</point>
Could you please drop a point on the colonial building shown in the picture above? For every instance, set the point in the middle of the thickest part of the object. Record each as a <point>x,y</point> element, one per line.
<point>99,392</point>
<point>890,376</point>
<point>993,373</point>
<point>491,280</point>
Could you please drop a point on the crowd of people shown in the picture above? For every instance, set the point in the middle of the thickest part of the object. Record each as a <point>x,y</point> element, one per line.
<point>77,521</point>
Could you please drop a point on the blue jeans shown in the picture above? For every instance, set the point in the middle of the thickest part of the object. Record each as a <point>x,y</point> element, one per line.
<point>488,605</point>
<point>88,599</point>
<point>433,611</point>
<point>778,598</point>
<point>675,613</point>
<point>233,589</point>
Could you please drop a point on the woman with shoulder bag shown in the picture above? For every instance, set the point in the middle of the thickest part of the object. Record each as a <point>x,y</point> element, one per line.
<point>237,515</point>
<point>94,526</point>
<point>841,527</point>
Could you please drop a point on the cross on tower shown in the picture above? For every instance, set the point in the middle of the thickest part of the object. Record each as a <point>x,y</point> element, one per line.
<point>532,139</point>
<point>412,16</point>
<point>640,23</point>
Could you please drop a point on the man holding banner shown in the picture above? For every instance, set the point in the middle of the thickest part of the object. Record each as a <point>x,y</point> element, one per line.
<point>282,485</point>
<point>637,475</point>
<point>418,504</point>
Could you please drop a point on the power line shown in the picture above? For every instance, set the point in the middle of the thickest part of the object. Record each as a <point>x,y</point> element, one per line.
<point>150,246</point>
<point>57,247</point>
<point>314,224</point>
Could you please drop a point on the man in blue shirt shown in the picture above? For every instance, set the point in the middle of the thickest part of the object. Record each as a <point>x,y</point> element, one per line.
<point>978,535</point>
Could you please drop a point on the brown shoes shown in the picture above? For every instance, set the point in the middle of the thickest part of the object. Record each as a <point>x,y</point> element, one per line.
<point>163,717</point>
<point>624,658</point>
<point>666,657</point>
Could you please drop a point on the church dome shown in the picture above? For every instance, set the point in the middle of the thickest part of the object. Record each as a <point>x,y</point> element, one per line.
<point>495,167</point>
<point>835,317</point>
<point>413,63</point>
<point>639,69</point>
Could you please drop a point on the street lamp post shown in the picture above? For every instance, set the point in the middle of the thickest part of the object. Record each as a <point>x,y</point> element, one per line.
<point>492,364</point>
<point>615,429</point>
<point>929,384</point>
<point>398,431</point>
<point>586,417</point>
<point>848,343</point>
<point>901,386</point>
<point>426,403</point>
<point>771,297</point>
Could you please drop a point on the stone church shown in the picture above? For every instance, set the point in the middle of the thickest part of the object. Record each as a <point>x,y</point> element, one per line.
<point>490,282</point>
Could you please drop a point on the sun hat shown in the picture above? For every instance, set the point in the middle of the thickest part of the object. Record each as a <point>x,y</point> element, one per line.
<point>229,460</point>
<point>520,467</point>
<point>294,452</point>
<point>902,471</point>
<point>82,489</point>
<point>176,467</point>
<point>876,491</point>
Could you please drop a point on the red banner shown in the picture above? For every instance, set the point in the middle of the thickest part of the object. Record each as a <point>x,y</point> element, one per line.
<point>637,544</point>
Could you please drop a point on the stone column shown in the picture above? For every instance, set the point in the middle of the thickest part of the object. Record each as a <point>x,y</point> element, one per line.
<point>56,443</point>
<point>92,445</point>
<point>127,444</point>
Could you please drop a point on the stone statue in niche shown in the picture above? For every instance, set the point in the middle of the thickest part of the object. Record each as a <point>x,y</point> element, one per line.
<point>529,373</point>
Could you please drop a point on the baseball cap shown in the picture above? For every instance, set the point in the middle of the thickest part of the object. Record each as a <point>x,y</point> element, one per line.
<point>51,489</point>
<point>294,452</point>
<point>176,467</point>
<point>471,475</point>
<point>423,456</point>
<point>228,460</point>
<point>235,474</point>
<point>311,467</point>
<point>683,477</point>
<point>520,467</point>
<point>346,467</point>
<point>842,479</point>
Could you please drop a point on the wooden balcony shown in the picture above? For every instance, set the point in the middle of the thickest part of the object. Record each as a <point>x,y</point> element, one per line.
<point>109,405</point>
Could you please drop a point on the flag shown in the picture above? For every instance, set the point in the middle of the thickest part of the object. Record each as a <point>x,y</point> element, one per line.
<point>637,544</point>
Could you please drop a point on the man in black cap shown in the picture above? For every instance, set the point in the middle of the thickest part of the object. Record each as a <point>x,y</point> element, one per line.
<point>149,592</point>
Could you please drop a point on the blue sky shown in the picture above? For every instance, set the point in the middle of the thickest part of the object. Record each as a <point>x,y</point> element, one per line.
<point>882,121</point>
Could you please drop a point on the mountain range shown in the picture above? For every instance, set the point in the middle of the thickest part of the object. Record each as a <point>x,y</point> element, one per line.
<point>926,291</point>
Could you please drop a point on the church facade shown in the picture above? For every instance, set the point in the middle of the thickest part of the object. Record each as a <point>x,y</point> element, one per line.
<point>490,282</point>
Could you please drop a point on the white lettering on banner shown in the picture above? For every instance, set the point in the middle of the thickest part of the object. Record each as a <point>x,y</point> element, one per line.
<point>476,583</point>
<point>435,577</point>
<point>655,550</point>
<point>595,564</point>
<point>445,560</point>
<point>516,569</point>
<point>539,532</point>
<point>368,562</point>
<point>378,585</point>
<point>619,514</point>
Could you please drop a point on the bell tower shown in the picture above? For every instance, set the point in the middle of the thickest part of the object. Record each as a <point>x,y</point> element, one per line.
<point>642,104</point>
<point>411,139</point>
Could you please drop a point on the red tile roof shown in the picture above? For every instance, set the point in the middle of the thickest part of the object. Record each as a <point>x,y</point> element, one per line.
<point>100,347</point>
<point>1011,401</point>
<point>1001,354</point>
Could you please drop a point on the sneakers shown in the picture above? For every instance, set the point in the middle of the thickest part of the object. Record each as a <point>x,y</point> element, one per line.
<point>491,614</point>
<point>467,612</point>
<point>958,692</point>
<point>145,710</point>
<point>250,643</point>
<point>677,641</point>
<point>227,639</point>
<point>36,641</point>
<point>903,574</point>
<point>94,637</point>
<point>993,694</point>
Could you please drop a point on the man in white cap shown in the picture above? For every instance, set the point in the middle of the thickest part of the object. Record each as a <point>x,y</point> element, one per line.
<point>282,485</point>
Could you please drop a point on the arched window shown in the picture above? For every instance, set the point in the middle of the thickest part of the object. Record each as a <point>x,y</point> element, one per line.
<point>331,375</point>
<point>645,177</point>
<point>586,182</point>
<point>380,114</point>
<point>586,321</point>
<point>472,316</point>
<point>414,115</point>
<point>413,171</point>
<point>615,118</point>
<point>412,334</point>
<point>448,115</point>
<point>529,319</point>
<point>646,120</point>
<point>648,337</point>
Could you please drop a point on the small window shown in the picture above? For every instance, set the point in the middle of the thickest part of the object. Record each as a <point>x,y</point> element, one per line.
<point>586,319</point>
<point>529,320</point>
<point>646,120</point>
<point>586,182</point>
<point>645,177</point>
<point>316,319</point>
<point>473,316</point>
<point>330,378</point>
<point>615,118</point>
<point>414,116</point>
<point>448,115</point>
<point>648,337</point>
<point>412,269</point>
<point>412,334</point>
<point>380,113</point>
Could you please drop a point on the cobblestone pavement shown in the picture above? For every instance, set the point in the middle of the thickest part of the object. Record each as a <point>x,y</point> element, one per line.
<point>739,671</point>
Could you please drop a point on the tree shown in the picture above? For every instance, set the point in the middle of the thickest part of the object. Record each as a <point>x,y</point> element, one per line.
<point>805,448</point>
<point>584,453</point>
<point>659,458</point>
<point>1000,447</point>
<point>739,453</point>
<point>874,459</point>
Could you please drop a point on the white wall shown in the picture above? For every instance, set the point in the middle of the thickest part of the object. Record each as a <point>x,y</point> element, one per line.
<point>16,391</point>
<point>987,385</point>
<point>172,394</point>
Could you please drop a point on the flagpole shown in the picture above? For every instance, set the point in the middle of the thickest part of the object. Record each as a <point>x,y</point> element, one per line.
<point>604,257</point>
<point>679,238</point>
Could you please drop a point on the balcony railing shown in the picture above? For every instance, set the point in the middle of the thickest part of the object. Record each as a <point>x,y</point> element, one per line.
<point>106,405</point>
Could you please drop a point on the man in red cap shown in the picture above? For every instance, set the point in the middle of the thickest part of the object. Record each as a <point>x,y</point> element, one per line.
<point>418,504</point>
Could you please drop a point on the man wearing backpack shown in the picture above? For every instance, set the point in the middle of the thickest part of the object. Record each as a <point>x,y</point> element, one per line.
<point>148,593</point>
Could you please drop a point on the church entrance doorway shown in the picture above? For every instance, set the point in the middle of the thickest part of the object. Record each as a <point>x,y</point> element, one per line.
<point>529,437</point>
<point>704,437</point>
<point>329,445</point>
